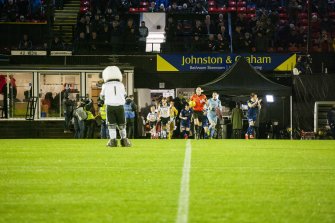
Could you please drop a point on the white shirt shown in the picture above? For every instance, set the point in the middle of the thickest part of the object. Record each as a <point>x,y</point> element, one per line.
<point>152,117</point>
<point>164,111</point>
<point>114,93</point>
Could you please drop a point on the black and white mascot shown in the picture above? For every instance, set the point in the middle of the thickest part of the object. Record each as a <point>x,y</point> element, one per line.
<point>113,93</point>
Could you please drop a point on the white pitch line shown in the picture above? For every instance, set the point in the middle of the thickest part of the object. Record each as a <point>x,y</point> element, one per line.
<point>184,195</point>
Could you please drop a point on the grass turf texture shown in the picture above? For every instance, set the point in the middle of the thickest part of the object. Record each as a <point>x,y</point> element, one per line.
<point>230,181</point>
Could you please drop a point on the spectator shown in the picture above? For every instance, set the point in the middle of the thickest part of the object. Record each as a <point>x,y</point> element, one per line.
<point>209,27</point>
<point>22,6</point>
<point>247,44</point>
<point>124,6</point>
<point>81,44</point>
<point>173,9</point>
<point>238,39</point>
<point>198,28</point>
<point>161,8</point>
<point>152,7</point>
<point>143,33</point>
<point>68,110</point>
<point>76,122</point>
<point>81,114</point>
<point>25,43</point>
<point>129,36</point>
<point>80,27</point>
<point>331,120</point>
<point>3,91</point>
<point>165,3</point>
<point>104,134</point>
<point>10,9</point>
<point>134,3</point>
<point>325,42</point>
<point>57,44</point>
<point>199,8</point>
<point>97,23</point>
<point>105,34</point>
<point>222,43</point>
<point>109,15</point>
<point>211,43</point>
<point>90,121</point>
<point>12,87</point>
<point>94,43</point>
<point>197,44</point>
<point>115,36</point>
<point>130,109</point>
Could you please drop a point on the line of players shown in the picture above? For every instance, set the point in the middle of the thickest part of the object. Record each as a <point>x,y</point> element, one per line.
<point>202,111</point>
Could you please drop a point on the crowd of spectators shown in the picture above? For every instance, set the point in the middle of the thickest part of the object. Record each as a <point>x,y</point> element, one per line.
<point>110,33</point>
<point>22,10</point>
<point>112,26</point>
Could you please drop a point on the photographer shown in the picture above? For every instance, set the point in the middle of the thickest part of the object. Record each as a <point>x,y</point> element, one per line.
<point>68,110</point>
<point>303,65</point>
<point>90,121</point>
<point>104,133</point>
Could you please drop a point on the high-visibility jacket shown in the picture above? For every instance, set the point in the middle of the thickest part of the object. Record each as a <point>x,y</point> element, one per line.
<point>103,113</point>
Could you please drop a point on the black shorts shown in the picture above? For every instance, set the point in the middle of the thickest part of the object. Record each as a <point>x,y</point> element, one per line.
<point>198,115</point>
<point>165,120</point>
<point>152,124</point>
<point>115,115</point>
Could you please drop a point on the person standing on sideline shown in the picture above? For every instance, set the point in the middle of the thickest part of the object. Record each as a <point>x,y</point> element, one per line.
<point>68,111</point>
<point>103,128</point>
<point>12,87</point>
<point>213,104</point>
<point>331,120</point>
<point>3,90</point>
<point>237,121</point>
<point>142,41</point>
<point>200,100</point>
<point>253,106</point>
<point>113,93</point>
<point>130,109</point>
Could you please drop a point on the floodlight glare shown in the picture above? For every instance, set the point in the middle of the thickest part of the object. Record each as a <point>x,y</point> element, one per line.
<point>269,98</point>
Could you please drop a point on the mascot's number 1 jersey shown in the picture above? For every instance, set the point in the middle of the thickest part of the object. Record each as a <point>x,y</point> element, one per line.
<point>200,101</point>
<point>114,93</point>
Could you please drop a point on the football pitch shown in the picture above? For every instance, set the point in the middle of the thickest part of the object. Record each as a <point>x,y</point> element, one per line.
<point>261,181</point>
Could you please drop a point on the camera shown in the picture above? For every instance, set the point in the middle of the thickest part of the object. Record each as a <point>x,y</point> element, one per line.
<point>100,103</point>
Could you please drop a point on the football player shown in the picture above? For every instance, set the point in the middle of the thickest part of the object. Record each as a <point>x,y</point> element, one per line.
<point>253,105</point>
<point>185,121</point>
<point>213,104</point>
<point>164,118</point>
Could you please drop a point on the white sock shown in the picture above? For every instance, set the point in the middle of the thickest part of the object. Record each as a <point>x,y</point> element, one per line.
<point>112,133</point>
<point>123,133</point>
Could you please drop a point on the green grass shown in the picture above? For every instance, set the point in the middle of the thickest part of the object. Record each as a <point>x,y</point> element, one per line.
<point>231,181</point>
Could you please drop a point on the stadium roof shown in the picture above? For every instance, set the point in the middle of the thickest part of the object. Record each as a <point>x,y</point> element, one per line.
<point>243,79</point>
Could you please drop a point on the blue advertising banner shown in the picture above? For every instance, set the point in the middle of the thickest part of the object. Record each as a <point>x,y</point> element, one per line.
<point>222,62</point>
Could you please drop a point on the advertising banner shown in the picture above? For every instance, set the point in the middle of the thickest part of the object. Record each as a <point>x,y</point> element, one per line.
<point>222,62</point>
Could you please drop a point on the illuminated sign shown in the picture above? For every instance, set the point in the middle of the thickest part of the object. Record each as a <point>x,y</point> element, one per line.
<point>222,62</point>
